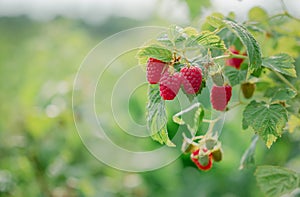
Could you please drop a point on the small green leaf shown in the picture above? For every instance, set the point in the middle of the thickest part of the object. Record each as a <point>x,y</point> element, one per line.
<point>248,156</point>
<point>191,117</point>
<point>214,21</point>
<point>190,31</point>
<point>165,40</point>
<point>268,120</point>
<point>282,63</point>
<point>156,52</point>
<point>258,14</point>
<point>195,6</point>
<point>177,36</point>
<point>235,76</point>
<point>253,49</point>
<point>157,116</point>
<point>275,181</point>
<point>210,40</point>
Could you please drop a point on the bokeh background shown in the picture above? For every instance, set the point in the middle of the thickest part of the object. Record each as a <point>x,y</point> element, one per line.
<point>42,44</point>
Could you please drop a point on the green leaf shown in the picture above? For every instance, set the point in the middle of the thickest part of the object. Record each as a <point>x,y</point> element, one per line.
<point>165,40</point>
<point>156,52</point>
<point>177,36</point>
<point>248,156</point>
<point>283,94</point>
<point>268,120</point>
<point>157,116</point>
<point>258,14</point>
<point>235,76</point>
<point>212,22</point>
<point>210,40</point>
<point>282,63</point>
<point>195,6</point>
<point>191,117</point>
<point>275,181</point>
<point>253,49</point>
<point>190,31</point>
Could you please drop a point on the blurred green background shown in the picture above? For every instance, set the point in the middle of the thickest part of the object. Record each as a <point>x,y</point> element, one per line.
<point>42,44</point>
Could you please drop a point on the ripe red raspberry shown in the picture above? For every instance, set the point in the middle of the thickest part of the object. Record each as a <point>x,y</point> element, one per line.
<point>155,68</point>
<point>169,85</point>
<point>234,62</point>
<point>228,90</point>
<point>220,96</point>
<point>191,79</point>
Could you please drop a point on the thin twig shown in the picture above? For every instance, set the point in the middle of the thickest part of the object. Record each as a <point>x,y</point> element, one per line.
<point>280,76</point>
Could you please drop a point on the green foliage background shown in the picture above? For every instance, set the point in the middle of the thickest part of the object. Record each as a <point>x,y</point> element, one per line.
<point>41,153</point>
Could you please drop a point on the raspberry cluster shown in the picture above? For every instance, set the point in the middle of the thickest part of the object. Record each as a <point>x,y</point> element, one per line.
<point>190,77</point>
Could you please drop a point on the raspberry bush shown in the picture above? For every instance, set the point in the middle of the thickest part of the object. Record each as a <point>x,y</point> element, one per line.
<point>224,59</point>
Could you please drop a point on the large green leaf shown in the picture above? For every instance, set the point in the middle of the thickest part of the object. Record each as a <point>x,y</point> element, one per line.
<point>235,76</point>
<point>268,120</point>
<point>282,63</point>
<point>157,116</point>
<point>210,40</point>
<point>253,49</point>
<point>275,181</point>
<point>156,52</point>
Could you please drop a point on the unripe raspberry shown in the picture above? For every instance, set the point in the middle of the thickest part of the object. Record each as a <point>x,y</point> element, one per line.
<point>217,155</point>
<point>248,89</point>
<point>155,69</point>
<point>191,79</point>
<point>169,85</point>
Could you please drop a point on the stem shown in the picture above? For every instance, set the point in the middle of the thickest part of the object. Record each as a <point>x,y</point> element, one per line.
<point>285,13</point>
<point>211,126</point>
<point>280,76</point>
<point>235,105</point>
<point>211,121</point>
<point>231,55</point>
<point>218,30</point>
<point>238,56</point>
<point>248,74</point>
<point>221,57</point>
<point>292,17</point>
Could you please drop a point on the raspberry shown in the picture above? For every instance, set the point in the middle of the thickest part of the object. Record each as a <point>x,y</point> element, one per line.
<point>169,85</point>
<point>203,162</point>
<point>234,62</point>
<point>155,68</point>
<point>228,90</point>
<point>217,155</point>
<point>192,79</point>
<point>248,89</point>
<point>220,96</point>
